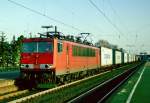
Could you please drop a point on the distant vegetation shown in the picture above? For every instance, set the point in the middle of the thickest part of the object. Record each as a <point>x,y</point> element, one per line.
<point>9,52</point>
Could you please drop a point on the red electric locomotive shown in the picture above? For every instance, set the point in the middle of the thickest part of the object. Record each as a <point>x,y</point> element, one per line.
<point>53,59</point>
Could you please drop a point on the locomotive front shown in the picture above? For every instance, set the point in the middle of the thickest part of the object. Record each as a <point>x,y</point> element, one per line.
<point>37,58</point>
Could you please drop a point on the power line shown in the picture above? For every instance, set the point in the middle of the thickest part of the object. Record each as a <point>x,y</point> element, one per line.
<point>119,19</point>
<point>100,11</point>
<point>115,12</point>
<point>44,15</point>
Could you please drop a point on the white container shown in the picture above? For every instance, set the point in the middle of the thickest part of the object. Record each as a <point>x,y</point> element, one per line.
<point>130,58</point>
<point>125,57</point>
<point>118,57</point>
<point>136,58</point>
<point>106,56</point>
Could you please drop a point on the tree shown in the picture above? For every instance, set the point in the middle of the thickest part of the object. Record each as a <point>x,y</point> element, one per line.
<point>14,52</point>
<point>4,50</point>
<point>105,43</point>
<point>10,52</point>
<point>16,46</point>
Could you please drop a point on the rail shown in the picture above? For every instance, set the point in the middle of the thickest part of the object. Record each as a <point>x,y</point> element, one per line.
<point>101,92</point>
<point>53,89</point>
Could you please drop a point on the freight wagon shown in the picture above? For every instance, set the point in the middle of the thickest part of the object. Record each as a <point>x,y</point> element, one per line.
<point>106,56</point>
<point>125,58</point>
<point>117,57</point>
<point>129,58</point>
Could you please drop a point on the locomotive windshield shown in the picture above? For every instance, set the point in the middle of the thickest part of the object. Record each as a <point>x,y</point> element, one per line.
<point>30,47</point>
<point>45,47</point>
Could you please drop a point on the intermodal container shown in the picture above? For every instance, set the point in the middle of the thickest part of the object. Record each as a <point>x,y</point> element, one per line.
<point>106,56</point>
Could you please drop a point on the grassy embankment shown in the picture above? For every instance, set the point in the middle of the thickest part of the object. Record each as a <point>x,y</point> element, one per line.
<point>7,69</point>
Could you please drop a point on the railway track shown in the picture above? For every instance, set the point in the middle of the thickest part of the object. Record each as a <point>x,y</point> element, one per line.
<point>11,89</point>
<point>24,99</point>
<point>56,89</point>
<point>101,92</point>
<point>12,94</point>
<point>7,97</point>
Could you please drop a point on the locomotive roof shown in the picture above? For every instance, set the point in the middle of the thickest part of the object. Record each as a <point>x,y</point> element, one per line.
<point>51,39</point>
<point>36,39</point>
<point>71,42</point>
<point>80,44</point>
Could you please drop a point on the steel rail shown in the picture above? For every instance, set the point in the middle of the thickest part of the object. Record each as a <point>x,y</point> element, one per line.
<point>53,89</point>
<point>99,93</point>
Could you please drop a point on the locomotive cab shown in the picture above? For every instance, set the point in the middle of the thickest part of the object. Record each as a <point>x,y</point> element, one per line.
<point>37,58</point>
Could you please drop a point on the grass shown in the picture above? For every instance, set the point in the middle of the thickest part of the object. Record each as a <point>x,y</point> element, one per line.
<point>6,69</point>
<point>141,94</point>
<point>46,85</point>
<point>68,93</point>
<point>122,93</point>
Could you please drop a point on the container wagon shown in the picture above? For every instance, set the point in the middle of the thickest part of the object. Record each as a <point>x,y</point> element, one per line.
<point>106,56</point>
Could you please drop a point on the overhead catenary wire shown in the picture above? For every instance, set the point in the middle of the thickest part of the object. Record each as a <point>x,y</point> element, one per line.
<point>137,36</point>
<point>106,17</point>
<point>44,15</point>
<point>120,21</point>
<point>118,16</point>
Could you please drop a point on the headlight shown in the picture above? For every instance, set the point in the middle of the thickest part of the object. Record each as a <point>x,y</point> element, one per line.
<point>27,66</point>
<point>46,66</point>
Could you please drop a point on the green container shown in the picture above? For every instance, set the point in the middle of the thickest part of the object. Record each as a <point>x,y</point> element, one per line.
<point>113,56</point>
<point>122,57</point>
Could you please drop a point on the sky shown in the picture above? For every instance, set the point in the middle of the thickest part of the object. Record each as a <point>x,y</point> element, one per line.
<point>124,23</point>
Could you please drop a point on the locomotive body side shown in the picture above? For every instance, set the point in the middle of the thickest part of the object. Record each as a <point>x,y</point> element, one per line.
<point>76,57</point>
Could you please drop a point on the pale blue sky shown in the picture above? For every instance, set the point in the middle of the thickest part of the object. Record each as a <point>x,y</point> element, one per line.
<point>132,17</point>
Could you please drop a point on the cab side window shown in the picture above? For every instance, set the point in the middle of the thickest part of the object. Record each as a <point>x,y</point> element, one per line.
<point>59,47</point>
